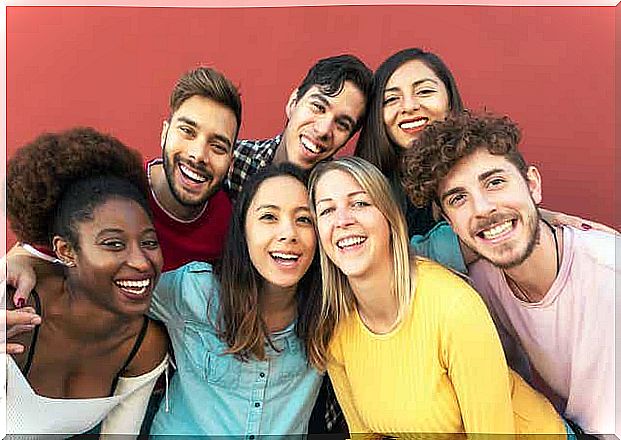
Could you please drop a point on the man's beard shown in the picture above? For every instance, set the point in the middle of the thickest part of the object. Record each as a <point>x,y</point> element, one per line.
<point>534,237</point>
<point>169,170</point>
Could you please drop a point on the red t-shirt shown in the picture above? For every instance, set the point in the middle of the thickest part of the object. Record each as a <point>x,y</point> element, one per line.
<point>201,239</point>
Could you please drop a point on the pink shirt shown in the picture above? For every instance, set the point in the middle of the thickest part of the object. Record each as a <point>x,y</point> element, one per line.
<point>569,335</point>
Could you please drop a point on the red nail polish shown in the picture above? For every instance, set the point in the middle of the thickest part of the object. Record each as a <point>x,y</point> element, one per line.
<point>21,302</point>
<point>586,227</point>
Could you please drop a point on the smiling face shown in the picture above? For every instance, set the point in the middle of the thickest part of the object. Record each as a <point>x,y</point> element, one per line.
<point>353,232</point>
<point>492,207</point>
<point>118,260</point>
<point>319,125</point>
<point>279,231</point>
<point>197,149</point>
<point>413,98</point>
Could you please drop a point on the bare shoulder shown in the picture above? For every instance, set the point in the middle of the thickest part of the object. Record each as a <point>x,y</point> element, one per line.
<point>152,350</point>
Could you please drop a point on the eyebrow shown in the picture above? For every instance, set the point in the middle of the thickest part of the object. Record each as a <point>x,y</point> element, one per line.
<point>415,83</point>
<point>218,136</point>
<point>327,103</point>
<point>481,178</point>
<point>351,194</point>
<point>278,208</point>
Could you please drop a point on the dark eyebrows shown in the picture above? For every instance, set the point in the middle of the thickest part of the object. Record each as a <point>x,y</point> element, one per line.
<point>277,208</point>
<point>188,121</point>
<point>414,84</point>
<point>486,174</point>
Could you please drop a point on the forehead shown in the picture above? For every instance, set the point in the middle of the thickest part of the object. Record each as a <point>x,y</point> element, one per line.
<point>280,191</point>
<point>207,113</point>
<point>410,72</point>
<point>466,172</point>
<point>117,213</point>
<point>335,184</point>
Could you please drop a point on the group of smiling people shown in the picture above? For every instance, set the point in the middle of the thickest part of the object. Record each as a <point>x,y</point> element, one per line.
<point>328,268</point>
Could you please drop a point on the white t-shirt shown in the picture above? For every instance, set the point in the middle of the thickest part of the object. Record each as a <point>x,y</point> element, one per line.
<point>569,335</point>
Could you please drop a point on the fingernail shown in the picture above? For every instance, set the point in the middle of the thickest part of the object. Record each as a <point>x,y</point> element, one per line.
<point>20,302</point>
<point>36,320</point>
<point>586,227</point>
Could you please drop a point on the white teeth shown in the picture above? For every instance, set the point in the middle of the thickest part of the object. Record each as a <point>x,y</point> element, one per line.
<point>497,230</point>
<point>413,124</point>
<point>135,287</point>
<point>350,241</point>
<point>309,145</point>
<point>283,256</point>
<point>191,174</point>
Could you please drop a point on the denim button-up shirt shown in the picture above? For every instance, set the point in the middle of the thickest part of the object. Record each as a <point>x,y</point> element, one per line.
<point>217,394</point>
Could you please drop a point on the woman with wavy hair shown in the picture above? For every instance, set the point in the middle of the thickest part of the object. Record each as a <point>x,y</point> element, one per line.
<point>93,356</point>
<point>412,347</point>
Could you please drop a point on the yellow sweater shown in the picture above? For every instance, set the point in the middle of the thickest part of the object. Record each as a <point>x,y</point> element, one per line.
<point>441,370</point>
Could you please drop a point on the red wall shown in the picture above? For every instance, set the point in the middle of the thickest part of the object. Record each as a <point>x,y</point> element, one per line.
<point>550,68</point>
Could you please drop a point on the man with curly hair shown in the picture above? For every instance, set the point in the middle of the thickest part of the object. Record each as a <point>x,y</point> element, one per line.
<point>551,288</point>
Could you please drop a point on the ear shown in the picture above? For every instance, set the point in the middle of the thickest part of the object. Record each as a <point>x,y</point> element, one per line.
<point>165,125</point>
<point>64,251</point>
<point>533,180</point>
<point>293,100</point>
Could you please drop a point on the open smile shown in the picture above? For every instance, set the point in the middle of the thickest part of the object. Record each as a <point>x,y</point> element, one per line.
<point>498,231</point>
<point>351,243</point>
<point>285,259</point>
<point>135,289</point>
<point>310,146</point>
<point>413,125</point>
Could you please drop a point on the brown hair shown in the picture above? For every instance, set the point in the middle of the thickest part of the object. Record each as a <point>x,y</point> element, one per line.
<point>444,143</point>
<point>208,83</point>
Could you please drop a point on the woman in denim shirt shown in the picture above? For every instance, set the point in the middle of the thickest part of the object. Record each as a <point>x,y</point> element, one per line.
<point>239,332</point>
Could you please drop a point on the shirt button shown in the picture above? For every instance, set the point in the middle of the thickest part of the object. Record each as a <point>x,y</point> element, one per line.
<point>261,375</point>
<point>251,437</point>
<point>257,404</point>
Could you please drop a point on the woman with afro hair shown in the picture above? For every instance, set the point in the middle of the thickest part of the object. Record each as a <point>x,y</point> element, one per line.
<point>95,356</point>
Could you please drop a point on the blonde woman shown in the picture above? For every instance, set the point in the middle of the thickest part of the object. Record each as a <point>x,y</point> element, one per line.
<point>412,348</point>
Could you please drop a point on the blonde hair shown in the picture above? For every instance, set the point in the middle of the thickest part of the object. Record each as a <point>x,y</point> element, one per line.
<point>338,299</point>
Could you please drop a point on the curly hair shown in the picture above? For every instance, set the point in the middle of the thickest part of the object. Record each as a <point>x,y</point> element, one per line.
<point>39,174</point>
<point>444,143</point>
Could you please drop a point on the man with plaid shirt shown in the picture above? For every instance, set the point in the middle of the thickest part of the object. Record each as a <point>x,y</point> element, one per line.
<point>323,113</point>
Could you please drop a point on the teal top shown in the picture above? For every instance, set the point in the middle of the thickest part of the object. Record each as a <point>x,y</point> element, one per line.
<point>442,245</point>
<point>217,394</point>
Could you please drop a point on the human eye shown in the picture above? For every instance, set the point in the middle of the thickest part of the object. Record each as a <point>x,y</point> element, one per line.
<point>305,220</point>
<point>344,125</point>
<point>113,244</point>
<point>456,200</point>
<point>425,91</point>
<point>390,99</point>
<point>220,148</point>
<point>267,216</point>
<point>187,130</point>
<point>360,204</point>
<point>150,243</point>
<point>318,107</point>
<point>495,182</point>
<point>325,211</point>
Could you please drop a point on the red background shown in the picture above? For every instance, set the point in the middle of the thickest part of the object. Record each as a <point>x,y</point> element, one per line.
<point>549,68</point>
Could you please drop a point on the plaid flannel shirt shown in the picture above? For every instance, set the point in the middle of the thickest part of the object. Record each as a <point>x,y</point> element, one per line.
<point>249,157</point>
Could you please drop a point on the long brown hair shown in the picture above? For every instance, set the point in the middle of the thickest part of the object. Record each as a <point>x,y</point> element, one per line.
<point>240,323</point>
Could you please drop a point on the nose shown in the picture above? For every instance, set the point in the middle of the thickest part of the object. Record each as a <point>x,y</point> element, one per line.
<point>323,126</point>
<point>410,103</point>
<point>198,151</point>
<point>344,217</point>
<point>482,203</point>
<point>287,231</point>
<point>137,259</point>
